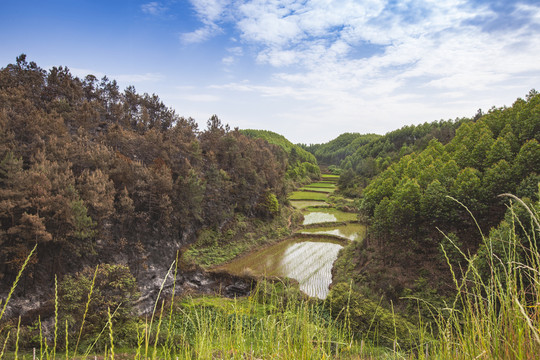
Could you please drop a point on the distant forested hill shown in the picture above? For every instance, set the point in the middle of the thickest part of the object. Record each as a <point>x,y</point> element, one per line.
<point>334,151</point>
<point>302,165</point>
<point>361,157</point>
<point>94,174</point>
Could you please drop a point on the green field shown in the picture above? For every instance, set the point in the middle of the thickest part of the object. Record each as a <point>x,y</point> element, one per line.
<point>320,184</point>
<point>330,177</point>
<point>318,189</point>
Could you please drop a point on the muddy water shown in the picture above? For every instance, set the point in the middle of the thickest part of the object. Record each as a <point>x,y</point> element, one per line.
<point>318,217</point>
<point>321,215</point>
<point>308,262</point>
<point>353,232</point>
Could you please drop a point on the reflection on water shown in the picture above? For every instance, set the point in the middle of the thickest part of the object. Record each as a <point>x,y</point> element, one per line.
<point>308,262</point>
<point>311,264</point>
<point>318,217</point>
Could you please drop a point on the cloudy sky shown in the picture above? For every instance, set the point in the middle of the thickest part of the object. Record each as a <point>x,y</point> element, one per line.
<point>309,69</point>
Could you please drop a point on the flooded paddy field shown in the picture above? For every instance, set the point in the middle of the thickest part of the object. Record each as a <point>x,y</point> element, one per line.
<point>351,231</point>
<point>315,215</point>
<point>307,261</point>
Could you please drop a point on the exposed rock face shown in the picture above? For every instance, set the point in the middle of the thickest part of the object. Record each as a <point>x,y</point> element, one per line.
<point>156,280</point>
<point>196,281</point>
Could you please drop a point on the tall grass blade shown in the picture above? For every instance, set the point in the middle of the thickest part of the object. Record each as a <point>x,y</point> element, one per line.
<point>16,281</point>
<point>86,311</point>
<point>4,346</point>
<point>111,337</point>
<point>55,315</point>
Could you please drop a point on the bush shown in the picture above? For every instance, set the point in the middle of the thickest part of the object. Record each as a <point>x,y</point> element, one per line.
<point>369,319</point>
<point>111,287</point>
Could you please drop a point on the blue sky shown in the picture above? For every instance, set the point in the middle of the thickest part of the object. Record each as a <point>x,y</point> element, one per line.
<point>309,69</point>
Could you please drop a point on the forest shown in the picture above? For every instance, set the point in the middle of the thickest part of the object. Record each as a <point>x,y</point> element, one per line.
<point>419,185</point>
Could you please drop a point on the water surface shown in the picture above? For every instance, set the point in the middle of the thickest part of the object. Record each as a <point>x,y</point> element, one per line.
<point>308,262</point>
<point>353,232</point>
<point>318,217</point>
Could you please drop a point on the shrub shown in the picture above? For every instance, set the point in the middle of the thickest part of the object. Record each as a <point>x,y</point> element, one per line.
<point>111,287</point>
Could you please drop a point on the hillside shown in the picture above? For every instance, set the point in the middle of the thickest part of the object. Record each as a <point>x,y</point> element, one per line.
<point>93,174</point>
<point>424,201</point>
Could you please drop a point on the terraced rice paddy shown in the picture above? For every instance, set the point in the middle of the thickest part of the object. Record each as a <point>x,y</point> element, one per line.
<point>318,217</point>
<point>318,189</point>
<point>330,177</point>
<point>328,185</point>
<point>308,262</point>
<point>353,232</point>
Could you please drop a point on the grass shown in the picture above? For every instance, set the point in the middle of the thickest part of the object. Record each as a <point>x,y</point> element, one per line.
<point>330,177</point>
<point>321,185</point>
<point>495,316</point>
<point>320,190</point>
<point>275,322</point>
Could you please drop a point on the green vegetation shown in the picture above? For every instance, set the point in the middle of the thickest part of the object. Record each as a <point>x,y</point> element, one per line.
<point>214,247</point>
<point>318,189</point>
<point>333,152</point>
<point>329,177</point>
<point>409,203</point>
<point>320,185</point>
<point>275,321</point>
<point>362,157</point>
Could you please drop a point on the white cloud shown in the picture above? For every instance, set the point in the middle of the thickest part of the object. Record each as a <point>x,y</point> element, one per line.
<point>209,12</point>
<point>412,60</point>
<point>153,8</point>
<point>202,34</point>
<point>234,53</point>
